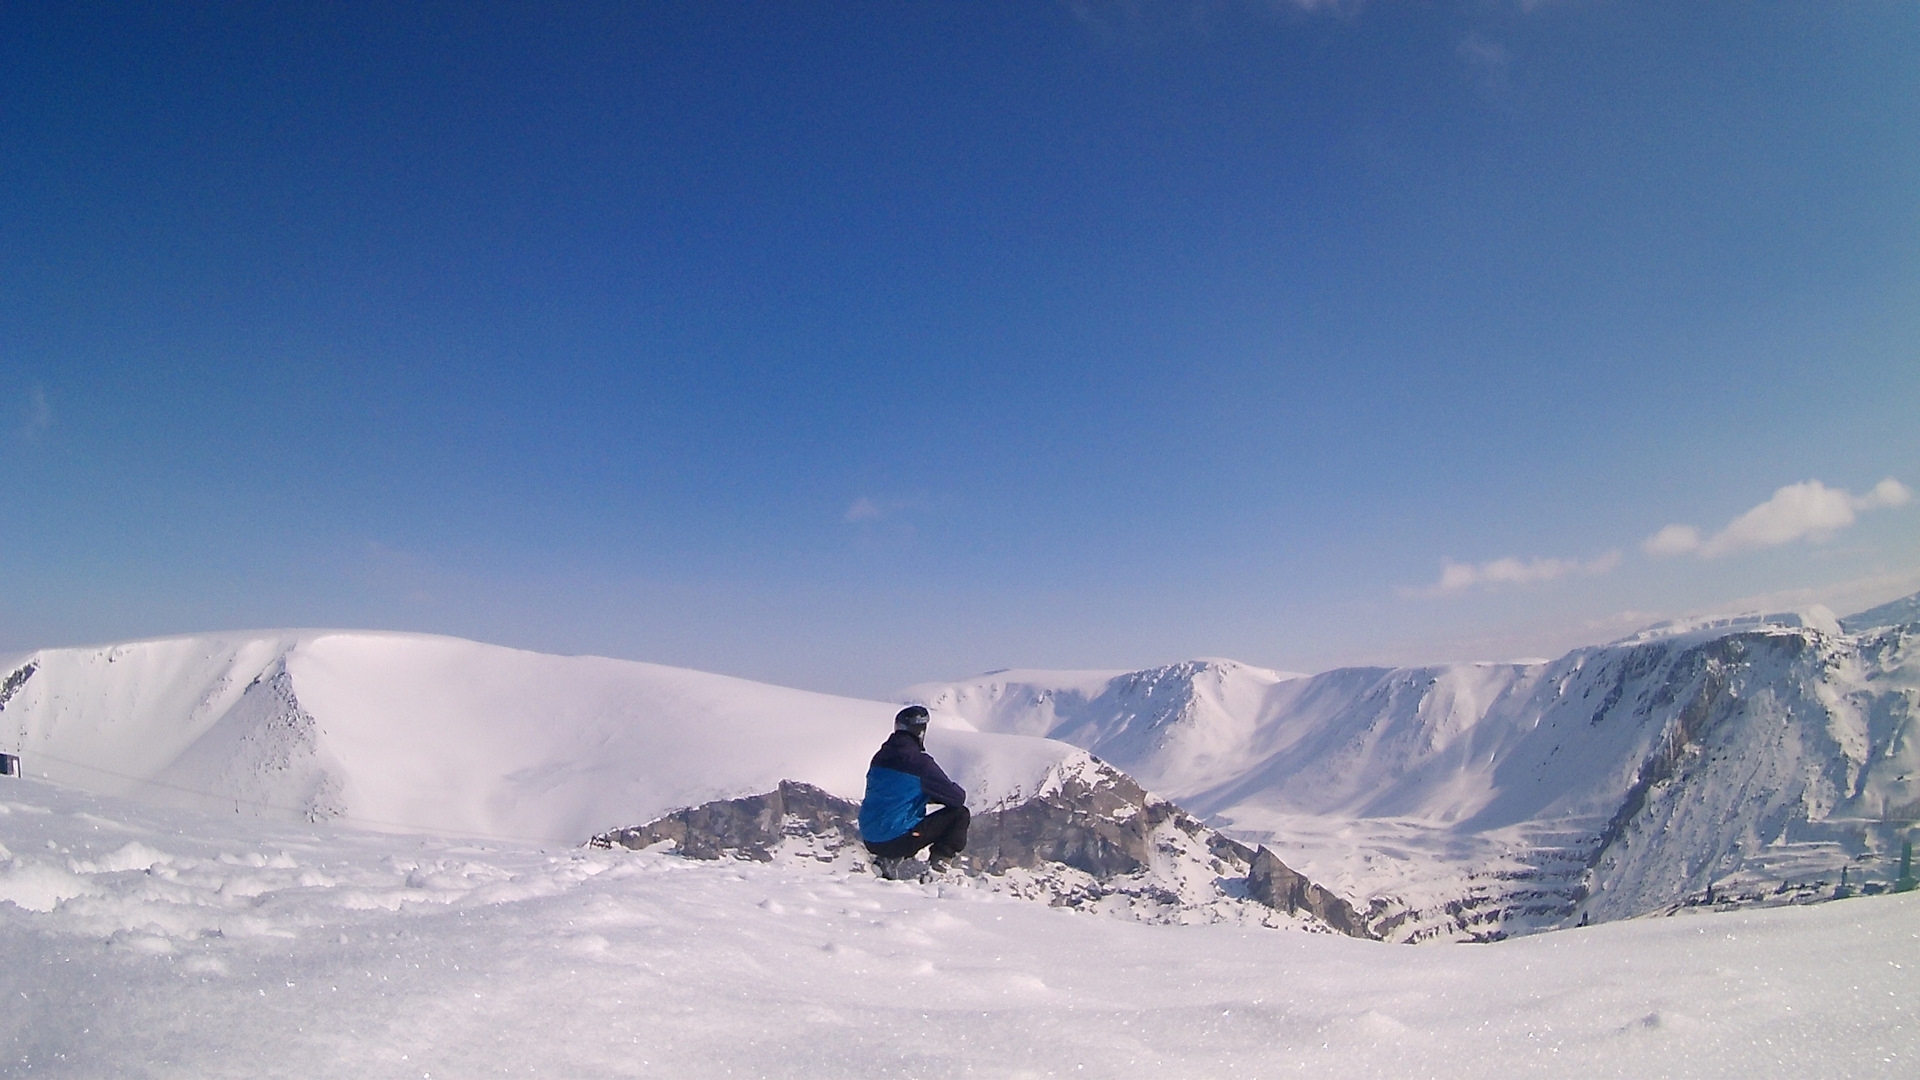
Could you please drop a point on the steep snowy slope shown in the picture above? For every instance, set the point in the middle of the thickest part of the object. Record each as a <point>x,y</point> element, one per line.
<point>1170,728</point>
<point>1899,612</point>
<point>1755,756</point>
<point>440,734</point>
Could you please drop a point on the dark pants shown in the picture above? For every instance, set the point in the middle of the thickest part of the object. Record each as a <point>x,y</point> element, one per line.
<point>945,830</point>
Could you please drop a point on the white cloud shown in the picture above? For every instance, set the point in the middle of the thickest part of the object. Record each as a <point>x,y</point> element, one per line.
<point>1672,540</point>
<point>1809,511</point>
<point>1888,492</point>
<point>1456,578</point>
<point>864,509</point>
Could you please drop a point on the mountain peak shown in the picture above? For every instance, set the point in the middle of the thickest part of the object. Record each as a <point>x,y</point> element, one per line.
<point>1812,617</point>
<point>1892,613</point>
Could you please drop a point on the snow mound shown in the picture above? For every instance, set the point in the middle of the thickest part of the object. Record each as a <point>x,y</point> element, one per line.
<point>417,732</point>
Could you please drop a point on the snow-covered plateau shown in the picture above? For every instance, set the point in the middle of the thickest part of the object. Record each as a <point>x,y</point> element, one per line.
<point>311,853</point>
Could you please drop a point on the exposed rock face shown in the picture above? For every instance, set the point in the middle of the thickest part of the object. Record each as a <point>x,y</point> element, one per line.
<point>1092,838</point>
<point>1278,885</point>
<point>1100,824</point>
<point>748,828</point>
<point>14,681</point>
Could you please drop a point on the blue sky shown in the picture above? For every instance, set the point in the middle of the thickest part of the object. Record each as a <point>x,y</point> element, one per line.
<point>847,346</point>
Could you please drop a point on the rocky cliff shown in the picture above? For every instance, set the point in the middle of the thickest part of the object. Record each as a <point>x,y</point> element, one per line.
<point>1090,838</point>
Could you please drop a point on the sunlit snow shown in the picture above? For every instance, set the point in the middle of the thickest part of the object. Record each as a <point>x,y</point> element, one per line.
<point>142,942</point>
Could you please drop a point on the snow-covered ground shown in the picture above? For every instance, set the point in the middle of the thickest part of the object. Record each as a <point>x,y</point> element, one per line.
<point>141,941</point>
<point>294,853</point>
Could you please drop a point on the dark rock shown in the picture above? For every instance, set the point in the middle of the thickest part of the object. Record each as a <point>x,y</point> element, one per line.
<point>1099,828</point>
<point>14,681</point>
<point>1098,821</point>
<point>1278,885</point>
<point>746,828</point>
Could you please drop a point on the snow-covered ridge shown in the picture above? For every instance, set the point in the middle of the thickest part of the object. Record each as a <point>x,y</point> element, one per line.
<point>438,734</point>
<point>1752,756</point>
<point>1815,617</point>
<point>1163,726</point>
<point>1728,759</point>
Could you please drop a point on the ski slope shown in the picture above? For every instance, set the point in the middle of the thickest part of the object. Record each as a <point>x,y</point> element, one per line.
<point>145,941</point>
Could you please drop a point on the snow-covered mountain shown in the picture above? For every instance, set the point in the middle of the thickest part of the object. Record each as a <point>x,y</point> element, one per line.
<point>1753,756</point>
<point>454,737</point>
<point>438,734</point>
<point>1723,761</point>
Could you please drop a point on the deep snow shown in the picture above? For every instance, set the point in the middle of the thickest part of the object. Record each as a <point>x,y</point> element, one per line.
<point>168,942</point>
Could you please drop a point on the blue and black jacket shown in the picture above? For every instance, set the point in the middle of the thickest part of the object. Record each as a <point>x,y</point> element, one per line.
<point>902,780</point>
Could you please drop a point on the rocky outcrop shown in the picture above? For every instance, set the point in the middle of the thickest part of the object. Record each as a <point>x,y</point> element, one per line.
<point>1092,838</point>
<point>747,828</point>
<point>1278,885</point>
<point>15,680</point>
<point>1100,824</point>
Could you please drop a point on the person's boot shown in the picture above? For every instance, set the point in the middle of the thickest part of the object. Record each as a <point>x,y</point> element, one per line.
<point>942,861</point>
<point>887,868</point>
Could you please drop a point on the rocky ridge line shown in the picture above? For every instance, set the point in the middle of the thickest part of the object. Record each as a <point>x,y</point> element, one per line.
<point>1093,839</point>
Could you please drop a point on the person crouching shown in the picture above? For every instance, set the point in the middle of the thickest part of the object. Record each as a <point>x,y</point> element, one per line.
<point>902,779</point>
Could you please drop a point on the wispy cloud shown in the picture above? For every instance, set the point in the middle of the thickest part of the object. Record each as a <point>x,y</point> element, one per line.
<point>1805,511</point>
<point>1147,22</point>
<point>1457,578</point>
<point>1486,58</point>
<point>39,416</point>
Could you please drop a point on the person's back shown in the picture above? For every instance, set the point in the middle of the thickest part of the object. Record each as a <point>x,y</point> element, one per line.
<point>901,780</point>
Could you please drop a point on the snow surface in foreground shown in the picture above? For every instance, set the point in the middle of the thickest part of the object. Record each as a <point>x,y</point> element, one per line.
<point>146,942</point>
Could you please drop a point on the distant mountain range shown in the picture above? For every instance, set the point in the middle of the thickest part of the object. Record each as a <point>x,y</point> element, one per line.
<point>1732,761</point>
<point>1727,761</point>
